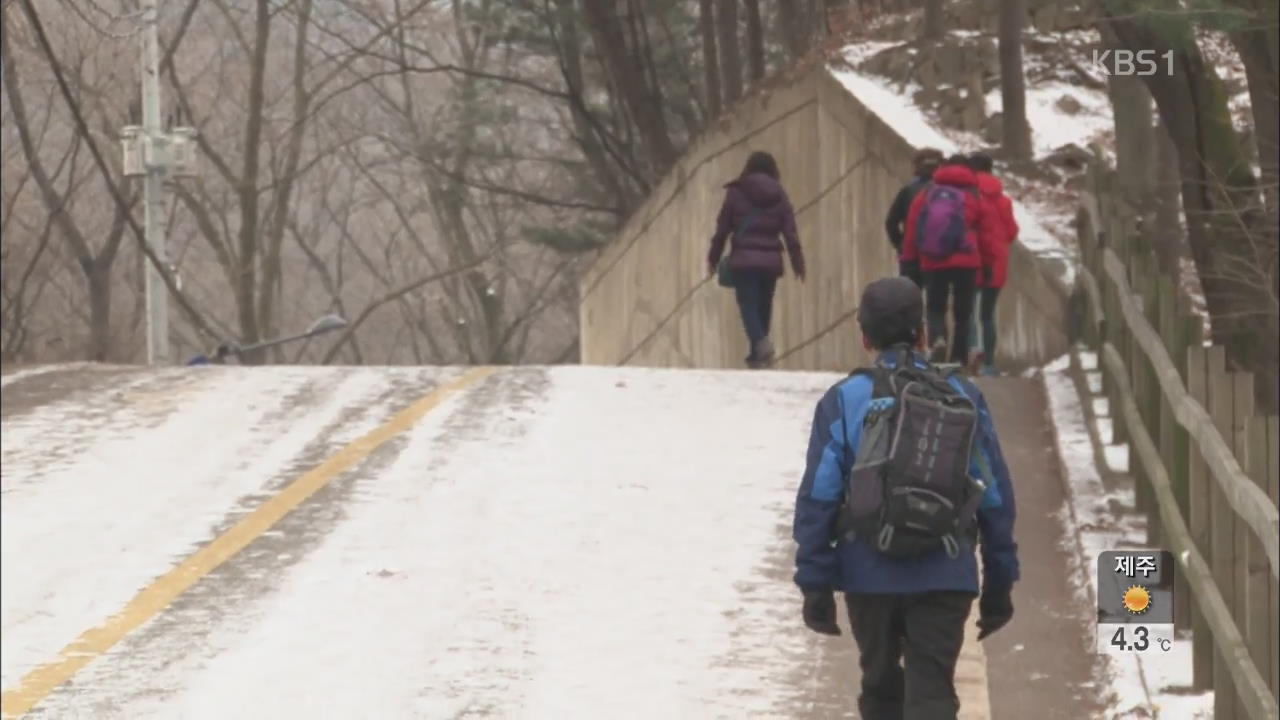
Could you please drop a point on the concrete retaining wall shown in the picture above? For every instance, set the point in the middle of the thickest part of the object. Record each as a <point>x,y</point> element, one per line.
<point>647,300</point>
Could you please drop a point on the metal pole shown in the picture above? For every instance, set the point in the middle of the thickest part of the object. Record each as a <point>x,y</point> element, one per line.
<point>157,167</point>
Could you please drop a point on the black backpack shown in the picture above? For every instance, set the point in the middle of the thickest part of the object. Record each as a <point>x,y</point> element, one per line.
<point>910,489</point>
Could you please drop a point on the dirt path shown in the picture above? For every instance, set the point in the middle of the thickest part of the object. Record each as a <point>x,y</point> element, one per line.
<point>1041,665</point>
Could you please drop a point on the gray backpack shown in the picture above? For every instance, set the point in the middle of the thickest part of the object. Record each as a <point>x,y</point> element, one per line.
<point>910,490</point>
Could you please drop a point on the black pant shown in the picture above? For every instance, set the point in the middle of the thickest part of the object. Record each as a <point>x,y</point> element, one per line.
<point>754,291</point>
<point>911,270</point>
<point>908,647</point>
<point>957,285</point>
<point>987,314</point>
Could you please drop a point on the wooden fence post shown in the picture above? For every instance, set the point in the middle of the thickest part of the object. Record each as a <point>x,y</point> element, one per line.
<point>1259,596</point>
<point>1149,399</point>
<point>1241,412</point>
<point>1198,496</point>
<point>1273,490</point>
<point>1117,329</point>
<point>1189,328</point>
<point>1222,535</point>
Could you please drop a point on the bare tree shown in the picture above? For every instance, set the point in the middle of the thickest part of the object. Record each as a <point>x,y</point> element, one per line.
<point>95,262</point>
<point>1230,238</point>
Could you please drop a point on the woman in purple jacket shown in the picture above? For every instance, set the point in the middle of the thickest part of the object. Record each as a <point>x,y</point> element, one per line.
<point>755,213</point>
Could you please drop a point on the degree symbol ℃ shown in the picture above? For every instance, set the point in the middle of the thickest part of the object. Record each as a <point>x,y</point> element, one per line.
<point>1164,644</point>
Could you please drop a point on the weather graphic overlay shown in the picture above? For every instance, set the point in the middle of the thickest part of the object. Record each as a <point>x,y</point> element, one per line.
<point>1135,601</point>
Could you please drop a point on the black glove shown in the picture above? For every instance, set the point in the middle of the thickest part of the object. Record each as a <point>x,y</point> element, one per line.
<point>995,609</point>
<point>820,612</point>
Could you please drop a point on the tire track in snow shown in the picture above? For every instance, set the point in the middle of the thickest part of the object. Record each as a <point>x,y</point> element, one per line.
<point>364,608</point>
<point>140,501</point>
<point>94,405</point>
<point>146,668</point>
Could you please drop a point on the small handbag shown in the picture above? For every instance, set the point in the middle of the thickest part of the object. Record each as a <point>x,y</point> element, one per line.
<point>724,273</point>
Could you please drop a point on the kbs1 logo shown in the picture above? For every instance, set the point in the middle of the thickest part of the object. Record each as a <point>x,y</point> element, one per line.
<point>1128,62</point>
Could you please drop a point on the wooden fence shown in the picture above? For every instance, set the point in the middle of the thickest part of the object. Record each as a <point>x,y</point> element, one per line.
<point>1205,465</point>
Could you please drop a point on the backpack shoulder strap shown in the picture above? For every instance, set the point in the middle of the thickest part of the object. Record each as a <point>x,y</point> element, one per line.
<point>881,379</point>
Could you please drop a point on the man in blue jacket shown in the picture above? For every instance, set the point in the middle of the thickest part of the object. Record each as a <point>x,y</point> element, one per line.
<point>907,613</point>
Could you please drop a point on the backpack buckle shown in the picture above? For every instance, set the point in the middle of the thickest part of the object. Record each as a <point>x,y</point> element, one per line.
<point>952,547</point>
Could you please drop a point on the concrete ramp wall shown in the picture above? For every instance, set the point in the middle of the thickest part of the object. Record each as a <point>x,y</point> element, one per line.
<point>648,301</point>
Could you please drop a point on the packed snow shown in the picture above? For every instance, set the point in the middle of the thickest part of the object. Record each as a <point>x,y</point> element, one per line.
<point>545,541</point>
<point>147,480</point>
<point>1051,125</point>
<point>1099,516</point>
<point>894,107</point>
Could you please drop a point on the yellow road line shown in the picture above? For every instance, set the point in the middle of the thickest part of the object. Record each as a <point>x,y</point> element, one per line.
<point>36,685</point>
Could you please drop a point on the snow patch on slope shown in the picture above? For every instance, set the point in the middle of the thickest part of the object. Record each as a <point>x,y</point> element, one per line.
<point>1051,126</point>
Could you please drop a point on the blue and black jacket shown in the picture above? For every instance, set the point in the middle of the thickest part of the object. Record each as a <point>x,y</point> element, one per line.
<point>822,562</point>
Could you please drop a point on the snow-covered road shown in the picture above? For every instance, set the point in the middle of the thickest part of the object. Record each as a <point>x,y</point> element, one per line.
<point>542,543</point>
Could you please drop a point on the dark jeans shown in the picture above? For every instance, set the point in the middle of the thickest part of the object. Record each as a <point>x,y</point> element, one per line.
<point>754,291</point>
<point>908,647</point>
<point>958,286</point>
<point>986,299</point>
<point>911,270</point>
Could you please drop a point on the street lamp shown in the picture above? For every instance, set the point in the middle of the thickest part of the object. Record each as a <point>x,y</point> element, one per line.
<point>322,325</point>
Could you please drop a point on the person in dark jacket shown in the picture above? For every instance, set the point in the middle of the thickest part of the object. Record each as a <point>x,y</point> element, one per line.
<point>953,278</point>
<point>925,162</point>
<point>756,211</point>
<point>907,614</point>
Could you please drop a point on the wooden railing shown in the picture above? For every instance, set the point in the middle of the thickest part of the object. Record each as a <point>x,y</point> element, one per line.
<point>1204,464</point>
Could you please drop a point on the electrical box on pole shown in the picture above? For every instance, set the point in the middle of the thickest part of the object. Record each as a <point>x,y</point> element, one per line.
<point>131,145</point>
<point>183,152</point>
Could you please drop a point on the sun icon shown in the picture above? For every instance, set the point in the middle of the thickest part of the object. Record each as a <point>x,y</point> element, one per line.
<point>1137,599</point>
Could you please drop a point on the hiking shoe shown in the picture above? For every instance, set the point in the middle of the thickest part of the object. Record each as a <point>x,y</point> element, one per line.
<point>764,352</point>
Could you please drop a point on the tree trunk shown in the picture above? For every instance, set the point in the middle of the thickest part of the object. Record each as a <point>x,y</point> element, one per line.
<point>98,278</point>
<point>1258,48</point>
<point>755,41</point>
<point>730,50</point>
<point>1169,241</point>
<point>791,17</point>
<point>1013,90</point>
<point>932,29</point>
<point>710,59</point>
<point>1135,134</point>
<point>249,240</point>
<point>1131,111</point>
<point>1231,245</point>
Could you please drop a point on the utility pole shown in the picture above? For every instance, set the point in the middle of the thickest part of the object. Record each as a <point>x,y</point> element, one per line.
<point>153,188</point>
<point>155,155</point>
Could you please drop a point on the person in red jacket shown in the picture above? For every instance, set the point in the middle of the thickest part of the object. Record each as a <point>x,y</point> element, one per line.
<point>999,230</point>
<point>943,236</point>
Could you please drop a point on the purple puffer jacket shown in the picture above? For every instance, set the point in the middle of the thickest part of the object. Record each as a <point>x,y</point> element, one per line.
<point>756,211</point>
